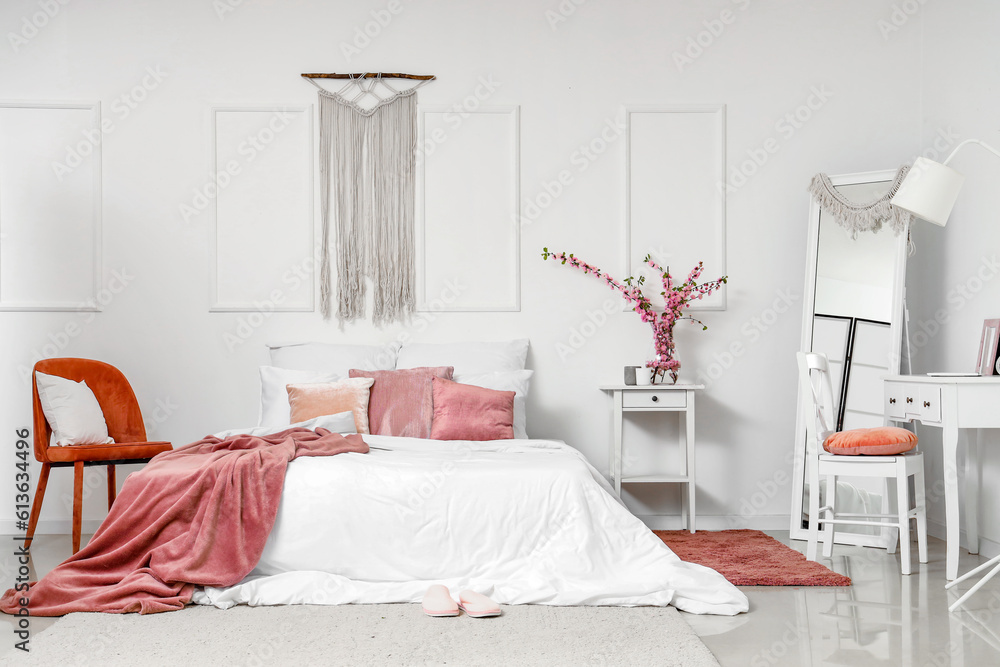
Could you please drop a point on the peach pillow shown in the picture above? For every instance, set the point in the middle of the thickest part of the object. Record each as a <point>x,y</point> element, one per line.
<point>881,441</point>
<point>311,400</point>
<point>467,412</point>
<point>401,400</point>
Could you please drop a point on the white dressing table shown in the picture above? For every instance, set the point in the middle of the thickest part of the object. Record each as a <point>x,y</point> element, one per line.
<point>955,405</point>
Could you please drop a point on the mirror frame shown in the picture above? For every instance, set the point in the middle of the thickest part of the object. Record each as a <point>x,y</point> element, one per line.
<point>796,531</point>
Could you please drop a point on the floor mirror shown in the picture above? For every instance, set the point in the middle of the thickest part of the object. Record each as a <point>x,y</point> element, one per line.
<point>853,311</point>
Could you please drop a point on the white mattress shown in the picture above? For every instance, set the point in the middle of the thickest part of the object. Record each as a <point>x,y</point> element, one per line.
<point>525,522</point>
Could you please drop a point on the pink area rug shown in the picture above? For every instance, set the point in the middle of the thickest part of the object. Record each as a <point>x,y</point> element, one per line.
<point>750,558</point>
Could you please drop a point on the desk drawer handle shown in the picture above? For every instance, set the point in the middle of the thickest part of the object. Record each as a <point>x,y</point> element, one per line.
<point>927,404</point>
<point>892,400</point>
<point>909,400</point>
<point>655,399</point>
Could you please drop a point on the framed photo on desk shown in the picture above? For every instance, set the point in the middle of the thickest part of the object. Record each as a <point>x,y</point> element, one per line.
<point>987,360</point>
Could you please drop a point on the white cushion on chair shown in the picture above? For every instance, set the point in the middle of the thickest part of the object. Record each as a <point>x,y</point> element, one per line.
<point>72,411</point>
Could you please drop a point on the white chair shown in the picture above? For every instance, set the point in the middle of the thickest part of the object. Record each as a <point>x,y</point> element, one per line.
<point>814,375</point>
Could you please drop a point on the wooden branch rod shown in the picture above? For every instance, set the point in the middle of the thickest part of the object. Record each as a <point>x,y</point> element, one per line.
<point>372,75</point>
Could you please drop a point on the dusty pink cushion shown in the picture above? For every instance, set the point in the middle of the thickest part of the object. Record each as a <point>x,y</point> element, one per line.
<point>400,402</point>
<point>881,441</point>
<point>467,412</point>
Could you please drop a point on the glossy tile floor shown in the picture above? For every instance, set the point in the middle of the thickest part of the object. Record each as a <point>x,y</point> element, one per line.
<point>883,619</point>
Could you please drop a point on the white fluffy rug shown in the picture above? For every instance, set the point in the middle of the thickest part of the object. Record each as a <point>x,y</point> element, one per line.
<point>377,635</point>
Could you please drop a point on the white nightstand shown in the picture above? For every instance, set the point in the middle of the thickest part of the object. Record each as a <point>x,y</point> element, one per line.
<point>657,398</point>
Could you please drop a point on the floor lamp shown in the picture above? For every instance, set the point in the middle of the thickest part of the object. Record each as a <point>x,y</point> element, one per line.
<point>930,189</point>
<point>929,192</point>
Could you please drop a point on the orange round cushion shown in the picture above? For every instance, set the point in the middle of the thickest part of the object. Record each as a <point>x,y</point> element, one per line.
<point>881,441</point>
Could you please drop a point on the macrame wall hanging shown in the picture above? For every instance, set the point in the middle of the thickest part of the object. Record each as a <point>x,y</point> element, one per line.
<point>367,162</point>
<point>861,217</point>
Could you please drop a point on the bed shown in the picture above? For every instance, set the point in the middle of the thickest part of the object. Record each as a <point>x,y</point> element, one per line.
<point>523,521</point>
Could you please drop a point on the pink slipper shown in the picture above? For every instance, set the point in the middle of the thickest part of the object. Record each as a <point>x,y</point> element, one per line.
<point>477,605</point>
<point>438,602</point>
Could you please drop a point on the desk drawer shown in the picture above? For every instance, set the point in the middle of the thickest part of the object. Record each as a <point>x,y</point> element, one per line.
<point>930,404</point>
<point>654,399</point>
<point>906,401</point>
<point>895,400</point>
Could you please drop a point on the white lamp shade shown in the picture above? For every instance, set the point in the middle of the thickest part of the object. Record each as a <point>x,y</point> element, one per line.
<point>929,191</point>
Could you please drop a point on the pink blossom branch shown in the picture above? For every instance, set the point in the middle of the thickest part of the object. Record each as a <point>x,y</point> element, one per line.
<point>676,298</point>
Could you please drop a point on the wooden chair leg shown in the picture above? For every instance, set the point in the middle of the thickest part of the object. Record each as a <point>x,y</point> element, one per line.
<point>77,503</point>
<point>112,488</point>
<point>36,505</point>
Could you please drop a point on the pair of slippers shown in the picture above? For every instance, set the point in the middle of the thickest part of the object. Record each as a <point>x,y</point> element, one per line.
<point>438,602</point>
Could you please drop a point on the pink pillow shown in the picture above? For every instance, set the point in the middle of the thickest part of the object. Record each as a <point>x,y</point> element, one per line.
<point>401,402</point>
<point>881,441</point>
<point>307,401</point>
<point>467,412</point>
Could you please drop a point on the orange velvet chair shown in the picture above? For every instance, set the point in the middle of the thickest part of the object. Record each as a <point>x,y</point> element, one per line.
<point>121,412</point>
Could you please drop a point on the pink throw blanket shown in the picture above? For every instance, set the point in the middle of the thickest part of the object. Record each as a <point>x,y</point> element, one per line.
<point>199,515</point>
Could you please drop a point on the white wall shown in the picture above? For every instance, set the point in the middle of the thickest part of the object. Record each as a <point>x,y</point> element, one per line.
<point>952,278</point>
<point>569,77</point>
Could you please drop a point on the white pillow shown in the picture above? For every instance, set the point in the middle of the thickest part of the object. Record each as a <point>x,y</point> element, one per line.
<point>72,411</point>
<point>342,422</point>
<point>515,381</point>
<point>473,358</point>
<point>334,358</point>
<point>274,408</point>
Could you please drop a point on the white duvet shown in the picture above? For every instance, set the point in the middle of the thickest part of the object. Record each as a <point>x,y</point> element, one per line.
<point>524,522</point>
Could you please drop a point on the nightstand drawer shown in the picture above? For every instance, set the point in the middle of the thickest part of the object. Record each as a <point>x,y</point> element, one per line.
<point>654,399</point>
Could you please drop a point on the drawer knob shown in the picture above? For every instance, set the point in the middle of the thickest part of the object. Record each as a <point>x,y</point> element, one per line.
<point>892,400</point>
<point>927,404</point>
<point>655,399</point>
<point>909,400</point>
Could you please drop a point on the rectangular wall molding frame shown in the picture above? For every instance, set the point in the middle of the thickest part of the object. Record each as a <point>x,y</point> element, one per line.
<point>50,206</point>
<point>481,149</point>
<point>675,194</point>
<point>264,238</point>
